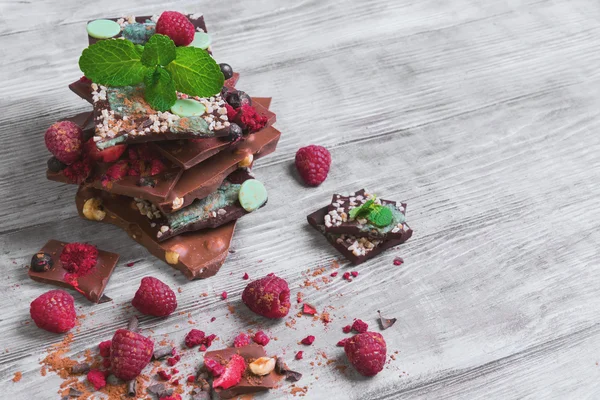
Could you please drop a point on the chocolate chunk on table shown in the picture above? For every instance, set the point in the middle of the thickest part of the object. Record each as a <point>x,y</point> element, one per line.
<point>91,285</point>
<point>361,227</point>
<point>197,254</point>
<point>250,383</point>
<point>187,153</point>
<point>345,244</point>
<point>218,208</point>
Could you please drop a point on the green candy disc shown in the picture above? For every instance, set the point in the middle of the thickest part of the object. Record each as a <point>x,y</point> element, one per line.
<point>253,195</point>
<point>201,40</point>
<point>188,108</point>
<point>103,29</point>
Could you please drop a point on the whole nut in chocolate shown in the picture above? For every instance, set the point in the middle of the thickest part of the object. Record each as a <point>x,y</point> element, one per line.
<point>172,257</point>
<point>92,209</point>
<point>41,262</point>
<point>262,366</point>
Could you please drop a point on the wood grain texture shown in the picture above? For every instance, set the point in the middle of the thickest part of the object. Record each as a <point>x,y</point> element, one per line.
<point>483,116</point>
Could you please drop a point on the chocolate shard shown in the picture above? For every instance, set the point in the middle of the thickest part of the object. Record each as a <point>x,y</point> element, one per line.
<point>197,254</point>
<point>74,392</point>
<point>132,388</point>
<point>162,352</point>
<point>293,376</point>
<point>282,369</point>
<point>81,368</point>
<point>104,299</point>
<point>133,324</point>
<point>159,390</point>
<point>385,322</point>
<point>345,244</point>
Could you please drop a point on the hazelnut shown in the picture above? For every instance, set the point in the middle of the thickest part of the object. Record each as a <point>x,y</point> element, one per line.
<point>247,161</point>
<point>177,203</point>
<point>262,366</point>
<point>171,257</point>
<point>92,209</point>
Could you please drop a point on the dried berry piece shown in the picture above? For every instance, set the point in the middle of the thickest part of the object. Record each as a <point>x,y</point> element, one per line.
<point>241,340</point>
<point>261,338</point>
<point>385,322</point>
<point>360,326</point>
<point>293,376</point>
<point>41,262</point>
<point>308,309</point>
<point>308,340</point>
<point>299,355</point>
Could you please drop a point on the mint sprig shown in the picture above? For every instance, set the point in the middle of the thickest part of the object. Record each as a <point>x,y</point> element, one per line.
<point>361,211</point>
<point>376,214</point>
<point>160,65</point>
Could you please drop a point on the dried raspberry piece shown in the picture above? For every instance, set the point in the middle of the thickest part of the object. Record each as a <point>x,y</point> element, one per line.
<point>366,352</point>
<point>105,348</point>
<point>231,112</point>
<point>224,295</point>
<point>176,26</point>
<point>78,171</point>
<point>115,172</point>
<point>154,298</point>
<point>233,373</point>
<point>194,338</point>
<point>214,367</point>
<point>308,309</point>
<point>54,311</point>
<point>157,167</point>
<point>107,155</point>
<point>96,378</point>
<point>269,297</point>
<point>191,379</point>
<point>135,168</point>
<point>299,355</point>
<point>241,340</point>
<point>308,340</point>
<point>246,276</point>
<point>261,338</point>
<point>209,339</point>
<point>360,326</point>
<point>249,120</point>
<point>354,273</point>
<point>398,261</point>
<point>64,140</point>
<point>173,360</point>
<point>347,328</point>
<point>79,258</point>
<point>334,274</point>
<point>312,163</point>
<point>174,396</point>
<point>164,375</point>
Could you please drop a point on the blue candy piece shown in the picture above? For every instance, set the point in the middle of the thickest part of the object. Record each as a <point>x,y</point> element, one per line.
<point>253,195</point>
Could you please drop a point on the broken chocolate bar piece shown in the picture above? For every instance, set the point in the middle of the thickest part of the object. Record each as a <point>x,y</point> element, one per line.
<point>249,383</point>
<point>216,209</point>
<point>91,285</point>
<point>139,29</point>
<point>187,153</point>
<point>356,249</point>
<point>204,178</point>
<point>196,254</point>
<point>339,217</point>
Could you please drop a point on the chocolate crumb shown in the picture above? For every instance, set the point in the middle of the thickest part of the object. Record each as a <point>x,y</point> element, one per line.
<point>104,299</point>
<point>385,322</point>
<point>80,368</point>
<point>162,352</point>
<point>159,390</point>
<point>293,376</point>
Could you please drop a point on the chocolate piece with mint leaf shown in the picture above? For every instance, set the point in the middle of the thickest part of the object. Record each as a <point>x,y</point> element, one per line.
<point>356,249</point>
<point>362,214</point>
<point>218,208</point>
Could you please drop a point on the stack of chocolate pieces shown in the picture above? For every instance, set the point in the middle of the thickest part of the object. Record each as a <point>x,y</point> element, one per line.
<point>361,226</point>
<point>177,180</point>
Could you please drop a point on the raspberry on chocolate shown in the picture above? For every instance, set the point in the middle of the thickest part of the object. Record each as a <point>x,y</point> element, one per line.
<point>214,367</point>
<point>54,311</point>
<point>366,352</point>
<point>176,26</point>
<point>268,296</point>
<point>249,120</point>
<point>241,340</point>
<point>154,297</point>
<point>115,172</point>
<point>78,171</point>
<point>312,163</point>
<point>64,140</point>
<point>261,338</point>
<point>233,373</point>
<point>79,258</point>
<point>130,352</point>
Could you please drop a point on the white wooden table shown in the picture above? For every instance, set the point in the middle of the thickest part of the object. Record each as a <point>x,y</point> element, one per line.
<point>483,115</point>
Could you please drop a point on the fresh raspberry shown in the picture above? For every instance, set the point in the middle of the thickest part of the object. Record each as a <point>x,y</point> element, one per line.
<point>241,340</point>
<point>268,296</point>
<point>214,367</point>
<point>64,140</point>
<point>79,258</point>
<point>299,355</point>
<point>108,155</point>
<point>156,167</point>
<point>233,373</point>
<point>249,120</point>
<point>105,348</point>
<point>164,375</point>
<point>176,26</point>
<point>261,338</point>
<point>308,340</point>
<point>115,172</point>
<point>96,378</point>
<point>78,171</point>
<point>194,338</point>
<point>347,328</point>
<point>54,311</point>
<point>312,162</point>
<point>342,342</point>
<point>130,352</point>
<point>154,298</point>
<point>366,352</point>
<point>308,309</point>
<point>360,326</point>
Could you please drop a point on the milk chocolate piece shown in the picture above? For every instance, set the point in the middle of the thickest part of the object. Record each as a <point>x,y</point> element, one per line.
<point>91,285</point>
<point>204,178</point>
<point>341,242</point>
<point>187,153</point>
<point>250,383</point>
<point>361,227</point>
<point>196,254</point>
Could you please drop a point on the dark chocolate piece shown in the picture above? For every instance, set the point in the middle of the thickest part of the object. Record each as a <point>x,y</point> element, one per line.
<point>361,227</point>
<point>197,254</point>
<point>80,368</point>
<point>74,392</point>
<point>250,383</point>
<point>385,322</point>
<point>91,285</point>
<point>356,250</point>
<point>282,369</point>
<point>159,390</point>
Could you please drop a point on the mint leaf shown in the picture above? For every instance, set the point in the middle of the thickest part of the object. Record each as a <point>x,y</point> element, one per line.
<point>140,49</point>
<point>195,72</point>
<point>160,89</point>
<point>159,50</point>
<point>362,210</point>
<point>112,62</point>
<point>380,216</point>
